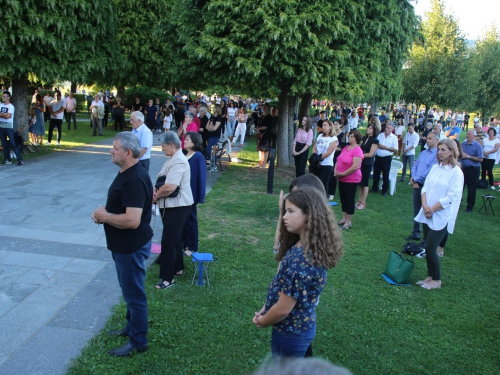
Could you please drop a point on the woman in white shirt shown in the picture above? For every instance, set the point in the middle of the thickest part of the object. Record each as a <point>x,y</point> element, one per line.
<point>325,146</point>
<point>490,148</point>
<point>441,197</point>
<point>232,111</point>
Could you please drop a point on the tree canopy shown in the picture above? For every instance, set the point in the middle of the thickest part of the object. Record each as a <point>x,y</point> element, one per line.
<point>439,71</point>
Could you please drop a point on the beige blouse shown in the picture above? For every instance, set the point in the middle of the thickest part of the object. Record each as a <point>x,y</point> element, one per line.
<point>178,172</point>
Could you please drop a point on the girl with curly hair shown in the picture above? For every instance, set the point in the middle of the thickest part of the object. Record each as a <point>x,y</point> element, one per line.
<point>310,244</point>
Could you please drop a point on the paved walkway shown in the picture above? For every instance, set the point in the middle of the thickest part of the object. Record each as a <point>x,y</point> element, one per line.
<point>57,278</point>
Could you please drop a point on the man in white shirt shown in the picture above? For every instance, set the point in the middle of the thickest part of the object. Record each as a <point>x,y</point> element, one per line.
<point>144,135</point>
<point>352,123</point>
<point>95,117</point>
<point>71,110</point>
<point>56,108</point>
<point>47,99</point>
<point>7,129</point>
<point>388,144</point>
<point>410,143</point>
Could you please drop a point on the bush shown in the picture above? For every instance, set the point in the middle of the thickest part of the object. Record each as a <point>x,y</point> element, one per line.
<point>144,93</point>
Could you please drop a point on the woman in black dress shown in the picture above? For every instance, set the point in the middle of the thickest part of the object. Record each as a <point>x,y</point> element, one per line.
<point>264,135</point>
<point>369,145</point>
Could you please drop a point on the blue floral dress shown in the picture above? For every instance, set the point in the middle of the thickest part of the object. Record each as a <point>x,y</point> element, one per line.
<point>300,279</point>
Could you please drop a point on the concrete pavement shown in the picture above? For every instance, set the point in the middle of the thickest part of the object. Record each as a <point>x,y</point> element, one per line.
<point>57,278</point>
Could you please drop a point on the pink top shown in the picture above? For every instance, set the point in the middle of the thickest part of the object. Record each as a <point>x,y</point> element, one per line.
<point>192,127</point>
<point>304,137</point>
<point>344,162</point>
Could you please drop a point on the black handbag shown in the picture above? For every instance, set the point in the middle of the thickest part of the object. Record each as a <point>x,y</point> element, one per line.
<point>160,181</point>
<point>413,249</point>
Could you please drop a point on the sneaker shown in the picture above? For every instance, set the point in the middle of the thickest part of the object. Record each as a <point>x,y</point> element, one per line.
<point>58,143</point>
<point>19,163</point>
<point>47,143</point>
<point>35,144</point>
<point>7,162</point>
<point>492,188</point>
<point>330,198</point>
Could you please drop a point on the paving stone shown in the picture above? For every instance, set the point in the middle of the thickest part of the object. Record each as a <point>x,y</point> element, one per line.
<point>86,266</point>
<point>12,338</point>
<point>34,260</point>
<point>50,351</point>
<point>10,274</point>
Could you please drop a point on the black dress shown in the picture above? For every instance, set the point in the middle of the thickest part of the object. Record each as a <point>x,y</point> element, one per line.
<point>264,143</point>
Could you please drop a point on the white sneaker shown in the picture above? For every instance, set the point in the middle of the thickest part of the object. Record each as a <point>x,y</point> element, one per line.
<point>492,188</point>
<point>58,144</point>
<point>331,197</point>
<point>48,143</point>
<point>36,144</point>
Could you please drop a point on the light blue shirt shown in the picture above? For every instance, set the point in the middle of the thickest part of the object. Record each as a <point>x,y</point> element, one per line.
<point>145,137</point>
<point>423,165</point>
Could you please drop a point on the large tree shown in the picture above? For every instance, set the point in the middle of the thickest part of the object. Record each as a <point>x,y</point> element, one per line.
<point>289,48</point>
<point>486,59</point>
<point>53,41</point>
<point>439,70</point>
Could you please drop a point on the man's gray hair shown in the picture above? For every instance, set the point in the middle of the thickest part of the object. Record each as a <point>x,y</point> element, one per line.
<point>129,141</point>
<point>436,134</point>
<point>138,116</point>
<point>170,137</point>
<point>189,113</point>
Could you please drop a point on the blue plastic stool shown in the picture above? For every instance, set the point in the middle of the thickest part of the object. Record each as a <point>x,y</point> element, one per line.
<point>201,262</point>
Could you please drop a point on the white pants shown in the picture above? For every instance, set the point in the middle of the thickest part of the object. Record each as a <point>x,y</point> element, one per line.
<point>241,129</point>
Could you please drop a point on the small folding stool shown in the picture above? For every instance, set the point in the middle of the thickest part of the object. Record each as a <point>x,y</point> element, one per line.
<point>201,262</point>
<point>487,199</point>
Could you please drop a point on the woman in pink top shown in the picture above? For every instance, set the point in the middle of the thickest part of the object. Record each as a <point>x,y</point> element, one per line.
<point>188,126</point>
<point>302,142</point>
<point>348,172</point>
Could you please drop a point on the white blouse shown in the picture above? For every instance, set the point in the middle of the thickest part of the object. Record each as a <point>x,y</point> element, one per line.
<point>322,145</point>
<point>444,185</point>
<point>490,145</point>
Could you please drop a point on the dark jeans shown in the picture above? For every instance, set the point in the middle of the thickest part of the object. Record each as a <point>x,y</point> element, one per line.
<point>417,205</point>
<point>71,116</point>
<point>208,152</point>
<point>432,239</point>
<point>105,118</point>
<point>381,164</point>
<point>487,166</point>
<point>145,163</point>
<point>151,124</point>
<point>119,122</point>
<point>190,230</point>
<point>300,160</point>
<point>171,257</point>
<point>347,192</point>
<point>46,115</point>
<point>131,272</point>
<point>55,123</point>
<point>471,175</point>
<point>9,132</point>
<point>323,173</point>
<point>407,159</point>
<point>290,344</point>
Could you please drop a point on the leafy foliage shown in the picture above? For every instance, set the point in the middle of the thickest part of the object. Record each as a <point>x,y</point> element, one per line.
<point>439,70</point>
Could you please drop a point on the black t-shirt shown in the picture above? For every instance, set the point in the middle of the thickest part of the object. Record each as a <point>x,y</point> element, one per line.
<point>366,147</point>
<point>203,124</point>
<point>131,188</point>
<point>137,106</point>
<point>218,131</point>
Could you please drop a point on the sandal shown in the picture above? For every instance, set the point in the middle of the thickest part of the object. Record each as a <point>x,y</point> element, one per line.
<point>340,223</point>
<point>164,284</point>
<point>346,227</point>
<point>361,206</point>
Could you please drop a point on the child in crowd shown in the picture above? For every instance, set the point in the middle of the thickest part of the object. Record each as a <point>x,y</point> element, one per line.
<point>167,120</point>
<point>31,126</point>
<point>310,244</point>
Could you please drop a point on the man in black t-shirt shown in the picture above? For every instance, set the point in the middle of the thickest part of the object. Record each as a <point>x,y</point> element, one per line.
<point>126,220</point>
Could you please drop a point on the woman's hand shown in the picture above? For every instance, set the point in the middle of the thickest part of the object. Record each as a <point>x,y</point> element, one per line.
<point>257,315</point>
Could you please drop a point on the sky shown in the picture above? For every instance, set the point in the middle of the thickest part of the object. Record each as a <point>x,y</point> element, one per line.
<point>472,16</point>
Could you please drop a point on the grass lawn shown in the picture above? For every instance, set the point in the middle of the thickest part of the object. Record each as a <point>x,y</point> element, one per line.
<point>364,323</point>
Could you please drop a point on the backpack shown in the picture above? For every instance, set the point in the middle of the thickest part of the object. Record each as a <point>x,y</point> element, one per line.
<point>413,249</point>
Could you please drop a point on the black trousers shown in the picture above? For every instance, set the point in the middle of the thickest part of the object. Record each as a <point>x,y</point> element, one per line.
<point>190,231</point>
<point>381,164</point>
<point>300,160</point>
<point>417,205</point>
<point>171,257</point>
<point>432,239</point>
<point>323,173</point>
<point>471,175</point>
<point>119,122</point>
<point>55,123</point>
<point>70,116</point>
<point>347,192</point>
<point>487,166</point>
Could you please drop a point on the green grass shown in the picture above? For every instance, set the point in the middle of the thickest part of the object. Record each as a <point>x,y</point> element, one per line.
<point>364,323</point>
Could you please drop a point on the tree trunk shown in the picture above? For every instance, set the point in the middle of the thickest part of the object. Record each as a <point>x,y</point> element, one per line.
<point>120,91</point>
<point>19,97</point>
<point>374,106</point>
<point>73,87</point>
<point>283,153</point>
<point>305,106</point>
<point>292,110</point>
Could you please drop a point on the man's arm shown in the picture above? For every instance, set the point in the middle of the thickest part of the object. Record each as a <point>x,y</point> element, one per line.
<point>131,219</point>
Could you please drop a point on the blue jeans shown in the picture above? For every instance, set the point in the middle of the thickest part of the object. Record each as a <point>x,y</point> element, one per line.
<point>9,132</point>
<point>230,124</point>
<point>131,272</point>
<point>407,160</point>
<point>290,344</point>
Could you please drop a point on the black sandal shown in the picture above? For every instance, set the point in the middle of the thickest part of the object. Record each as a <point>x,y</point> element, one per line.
<point>164,284</point>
